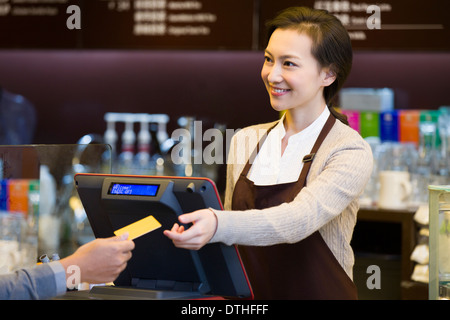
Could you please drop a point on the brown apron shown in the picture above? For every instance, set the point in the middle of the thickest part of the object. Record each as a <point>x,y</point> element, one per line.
<point>303,270</point>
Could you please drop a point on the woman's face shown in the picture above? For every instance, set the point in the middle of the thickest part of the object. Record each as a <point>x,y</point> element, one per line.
<point>292,76</point>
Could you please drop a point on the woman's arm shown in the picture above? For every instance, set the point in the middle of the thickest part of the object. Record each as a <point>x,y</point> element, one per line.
<point>326,195</point>
<point>338,176</point>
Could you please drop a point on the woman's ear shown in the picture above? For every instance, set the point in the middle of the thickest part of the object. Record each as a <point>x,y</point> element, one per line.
<point>329,76</point>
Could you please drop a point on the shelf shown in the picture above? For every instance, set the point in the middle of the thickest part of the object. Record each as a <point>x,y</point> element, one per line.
<point>387,238</point>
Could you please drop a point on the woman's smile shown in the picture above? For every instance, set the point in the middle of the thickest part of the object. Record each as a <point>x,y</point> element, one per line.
<point>278,92</point>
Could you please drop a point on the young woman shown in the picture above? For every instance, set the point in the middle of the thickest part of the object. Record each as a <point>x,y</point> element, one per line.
<point>291,206</point>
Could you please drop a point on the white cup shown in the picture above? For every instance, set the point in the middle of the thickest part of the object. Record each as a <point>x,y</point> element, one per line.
<point>395,190</point>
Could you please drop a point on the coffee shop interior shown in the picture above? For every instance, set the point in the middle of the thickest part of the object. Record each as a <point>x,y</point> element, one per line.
<point>96,74</point>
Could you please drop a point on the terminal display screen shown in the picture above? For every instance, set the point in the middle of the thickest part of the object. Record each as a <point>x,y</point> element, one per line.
<point>149,190</point>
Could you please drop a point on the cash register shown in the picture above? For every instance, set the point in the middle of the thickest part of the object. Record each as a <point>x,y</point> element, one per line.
<point>157,269</point>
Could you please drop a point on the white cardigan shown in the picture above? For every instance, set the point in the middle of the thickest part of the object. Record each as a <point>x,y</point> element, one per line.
<point>328,202</point>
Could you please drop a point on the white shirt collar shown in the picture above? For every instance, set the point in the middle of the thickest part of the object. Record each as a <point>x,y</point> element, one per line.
<point>312,129</point>
<point>270,167</point>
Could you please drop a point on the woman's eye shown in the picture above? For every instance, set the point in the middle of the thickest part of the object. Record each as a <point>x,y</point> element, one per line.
<point>267,59</point>
<point>289,64</point>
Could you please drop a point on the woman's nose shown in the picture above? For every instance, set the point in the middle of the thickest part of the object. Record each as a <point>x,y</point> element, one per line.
<point>275,75</point>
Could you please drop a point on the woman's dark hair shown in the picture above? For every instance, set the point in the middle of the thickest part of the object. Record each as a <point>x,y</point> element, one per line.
<point>331,44</point>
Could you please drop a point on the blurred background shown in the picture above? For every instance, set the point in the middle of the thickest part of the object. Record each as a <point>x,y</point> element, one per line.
<point>78,75</point>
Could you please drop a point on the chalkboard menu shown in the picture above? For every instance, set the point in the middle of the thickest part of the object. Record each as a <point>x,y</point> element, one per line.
<point>36,24</point>
<point>379,25</point>
<point>147,24</point>
<point>188,24</point>
<point>212,24</point>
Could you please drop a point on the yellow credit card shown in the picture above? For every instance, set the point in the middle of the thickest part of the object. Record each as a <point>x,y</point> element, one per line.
<point>139,228</point>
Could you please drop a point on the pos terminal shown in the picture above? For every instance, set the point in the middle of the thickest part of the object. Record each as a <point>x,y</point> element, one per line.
<point>157,269</point>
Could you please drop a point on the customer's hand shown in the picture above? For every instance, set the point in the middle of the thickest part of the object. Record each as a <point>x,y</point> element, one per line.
<point>101,260</point>
<point>204,225</point>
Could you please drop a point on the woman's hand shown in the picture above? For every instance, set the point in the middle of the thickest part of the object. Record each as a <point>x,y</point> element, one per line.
<point>204,225</point>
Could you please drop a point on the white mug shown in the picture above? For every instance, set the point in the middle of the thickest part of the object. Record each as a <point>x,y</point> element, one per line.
<point>395,190</point>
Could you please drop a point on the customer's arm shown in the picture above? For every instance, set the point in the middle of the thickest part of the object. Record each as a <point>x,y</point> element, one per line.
<point>98,261</point>
<point>101,260</point>
<point>40,282</point>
